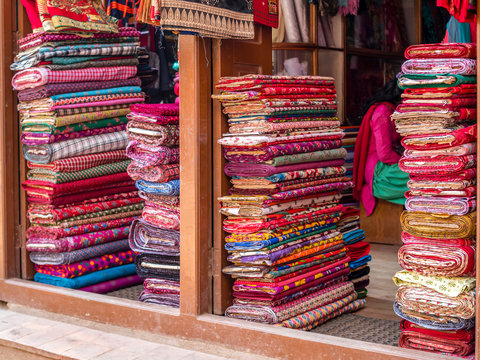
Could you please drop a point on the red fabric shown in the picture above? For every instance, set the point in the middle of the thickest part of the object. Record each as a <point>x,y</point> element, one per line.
<point>460,9</point>
<point>462,136</point>
<point>463,89</point>
<point>430,51</point>
<point>458,176</point>
<point>358,250</point>
<point>411,239</point>
<point>361,150</point>
<point>265,12</point>
<point>32,13</point>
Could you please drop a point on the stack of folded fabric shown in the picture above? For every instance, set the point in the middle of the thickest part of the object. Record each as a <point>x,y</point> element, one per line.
<point>285,160</point>
<point>436,296</point>
<point>74,95</point>
<point>153,130</point>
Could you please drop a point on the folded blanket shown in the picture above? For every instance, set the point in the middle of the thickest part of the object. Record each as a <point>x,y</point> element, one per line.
<point>45,175</point>
<point>433,322</point>
<point>458,343</point>
<point>155,111</point>
<point>248,82</point>
<point>158,266</point>
<point>160,173</point>
<point>437,165</point>
<point>461,150</point>
<point>411,239</point>
<point>448,66</point>
<point>160,286</point>
<point>441,205</point>
<point>159,120</point>
<point>113,285</point>
<point>34,77</point>
<point>240,169</point>
<point>171,188</point>
<point>406,81</point>
<point>358,250</point>
<point>264,140</point>
<point>149,239</point>
<point>153,134</point>
<point>270,127</point>
<point>274,315</point>
<point>427,301</point>
<point>59,64</point>
<point>45,154</point>
<point>64,258</point>
<point>313,318</point>
<point>172,300</point>
<point>438,227</point>
<point>323,173</point>
<point>441,141</point>
<point>82,162</point>
<point>160,199</point>
<point>48,90</point>
<point>147,155</point>
<point>445,50</point>
<point>272,151</point>
<point>88,266</point>
<point>444,260</point>
<point>164,216</point>
<point>448,286</point>
<point>88,279</point>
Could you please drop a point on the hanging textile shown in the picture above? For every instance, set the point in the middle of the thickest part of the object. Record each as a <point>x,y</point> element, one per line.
<point>463,10</point>
<point>212,18</point>
<point>458,32</point>
<point>348,7</point>
<point>266,12</point>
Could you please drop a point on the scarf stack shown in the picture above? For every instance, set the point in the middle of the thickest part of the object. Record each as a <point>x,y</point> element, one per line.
<point>436,295</point>
<point>285,159</point>
<point>153,131</point>
<point>74,94</point>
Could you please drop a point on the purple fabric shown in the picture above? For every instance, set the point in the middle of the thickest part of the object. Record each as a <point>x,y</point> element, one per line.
<point>112,285</point>
<point>149,156</point>
<point>42,138</point>
<point>240,169</point>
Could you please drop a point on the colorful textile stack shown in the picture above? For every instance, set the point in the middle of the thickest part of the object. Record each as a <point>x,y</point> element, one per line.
<point>285,160</point>
<point>74,95</point>
<point>153,131</point>
<point>436,295</point>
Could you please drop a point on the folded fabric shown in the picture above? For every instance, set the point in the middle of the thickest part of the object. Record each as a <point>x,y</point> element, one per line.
<point>153,134</point>
<point>440,227</point>
<point>457,66</point>
<point>88,266</point>
<point>35,77</point>
<point>45,154</point>
<point>437,165</point>
<point>159,173</point>
<point>82,162</point>
<point>48,90</point>
<point>70,257</point>
<point>406,81</point>
<point>465,149</point>
<point>274,315</point>
<point>171,188</point>
<point>113,285</point>
<point>249,82</point>
<point>149,239</point>
<point>172,300</point>
<point>444,260</point>
<point>158,266</point>
<point>358,250</point>
<point>313,318</point>
<point>360,262</point>
<point>240,169</point>
<point>441,205</point>
<point>445,50</point>
<point>164,216</point>
<point>61,247</point>
<point>149,156</point>
<point>427,301</point>
<point>155,111</point>
<point>323,173</point>
<point>88,279</point>
<point>433,322</point>
<point>459,343</point>
<point>449,286</point>
<point>441,141</point>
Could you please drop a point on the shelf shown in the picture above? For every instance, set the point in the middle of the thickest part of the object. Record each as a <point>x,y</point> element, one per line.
<point>293,46</point>
<point>373,52</point>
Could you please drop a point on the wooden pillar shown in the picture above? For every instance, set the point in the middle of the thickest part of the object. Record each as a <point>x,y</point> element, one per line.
<point>477,304</point>
<point>195,175</point>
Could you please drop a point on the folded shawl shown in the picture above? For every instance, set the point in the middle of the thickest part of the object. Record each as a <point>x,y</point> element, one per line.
<point>147,296</point>
<point>149,239</point>
<point>457,66</point>
<point>45,154</point>
<point>436,165</point>
<point>441,205</point>
<point>113,285</point>
<point>153,134</point>
<point>149,156</point>
<point>406,81</point>
<point>438,227</point>
<point>164,216</point>
<point>171,188</point>
<point>441,141</point>
<point>158,266</point>
<point>430,51</point>
<point>159,173</point>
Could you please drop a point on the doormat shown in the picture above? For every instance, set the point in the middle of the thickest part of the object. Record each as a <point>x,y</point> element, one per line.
<point>130,293</point>
<point>351,326</point>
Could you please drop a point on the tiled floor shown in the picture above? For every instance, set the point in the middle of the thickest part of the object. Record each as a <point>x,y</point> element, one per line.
<point>67,341</point>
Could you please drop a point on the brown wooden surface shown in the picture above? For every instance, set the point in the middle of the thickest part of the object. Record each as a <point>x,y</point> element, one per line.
<point>231,58</point>
<point>195,175</point>
<point>383,226</point>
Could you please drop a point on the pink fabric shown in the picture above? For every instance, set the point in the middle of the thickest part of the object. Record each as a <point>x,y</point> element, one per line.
<point>381,148</point>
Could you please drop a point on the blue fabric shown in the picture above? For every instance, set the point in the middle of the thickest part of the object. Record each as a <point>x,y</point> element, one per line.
<point>352,237</point>
<point>458,32</point>
<point>171,188</point>
<point>118,90</point>
<point>362,261</point>
<point>89,279</point>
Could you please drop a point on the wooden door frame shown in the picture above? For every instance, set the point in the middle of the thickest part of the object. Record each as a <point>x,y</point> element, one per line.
<point>193,321</point>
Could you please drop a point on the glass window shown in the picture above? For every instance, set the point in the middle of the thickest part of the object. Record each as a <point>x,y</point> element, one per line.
<point>292,62</point>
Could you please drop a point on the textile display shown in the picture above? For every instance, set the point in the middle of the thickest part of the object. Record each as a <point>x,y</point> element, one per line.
<point>289,256</point>
<point>76,79</point>
<point>437,116</point>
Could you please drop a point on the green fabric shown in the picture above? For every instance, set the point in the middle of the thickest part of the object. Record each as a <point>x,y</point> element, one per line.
<point>321,155</point>
<point>390,183</point>
<point>361,293</point>
<point>64,60</point>
<point>459,79</point>
<point>64,177</point>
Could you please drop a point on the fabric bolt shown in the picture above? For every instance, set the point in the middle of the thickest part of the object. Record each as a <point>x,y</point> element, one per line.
<point>153,134</point>
<point>441,205</point>
<point>113,285</point>
<point>160,173</point>
<point>465,149</point>
<point>150,156</point>
<point>171,188</point>
<point>437,165</point>
<point>45,154</point>
<point>171,300</point>
<point>406,81</point>
<point>164,216</point>
<point>440,51</point>
<point>158,266</point>
<point>440,66</point>
<point>441,141</point>
<point>149,239</point>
